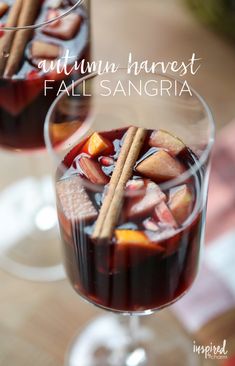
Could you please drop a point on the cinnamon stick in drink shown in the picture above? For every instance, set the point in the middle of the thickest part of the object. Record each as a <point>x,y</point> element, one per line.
<point>29,11</point>
<point>7,39</point>
<point>117,201</point>
<point>114,180</point>
<point>112,204</point>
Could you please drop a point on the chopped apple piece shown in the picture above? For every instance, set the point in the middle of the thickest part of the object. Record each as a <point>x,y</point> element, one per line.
<point>143,204</point>
<point>45,50</point>
<point>52,14</point>
<point>73,201</point>
<point>135,185</point>
<point>160,167</point>
<point>96,145</point>
<point>165,140</point>
<point>3,8</point>
<point>164,215</point>
<point>180,204</point>
<point>66,29</point>
<point>150,225</point>
<point>92,170</point>
<point>106,161</point>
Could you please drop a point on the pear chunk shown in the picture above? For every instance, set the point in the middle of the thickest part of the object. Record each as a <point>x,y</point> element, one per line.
<point>160,167</point>
<point>74,201</point>
<point>45,50</point>
<point>165,140</point>
<point>142,205</point>
<point>181,203</point>
<point>164,215</point>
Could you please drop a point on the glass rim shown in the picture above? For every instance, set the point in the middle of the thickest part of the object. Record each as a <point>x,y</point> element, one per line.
<point>192,171</point>
<point>42,24</point>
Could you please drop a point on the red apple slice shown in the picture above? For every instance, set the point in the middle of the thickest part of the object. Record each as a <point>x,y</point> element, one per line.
<point>44,50</point>
<point>181,203</point>
<point>143,204</point>
<point>160,167</point>
<point>106,161</point>
<point>92,170</point>
<point>66,29</point>
<point>164,215</point>
<point>74,204</point>
<point>165,140</point>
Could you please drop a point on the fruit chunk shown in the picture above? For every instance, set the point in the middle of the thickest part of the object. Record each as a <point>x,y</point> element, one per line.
<point>160,167</point>
<point>106,161</point>
<point>180,204</point>
<point>151,225</point>
<point>135,239</point>
<point>135,185</point>
<point>74,204</point>
<point>45,50</point>
<point>164,215</point>
<point>96,145</point>
<point>131,248</point>
<point>52,14</point>
<point>3,8</point>
<point>145,201</point>
<point>131,237</point>
<point>66,29</point>
<point>165,140</point>
<point>92,170</point>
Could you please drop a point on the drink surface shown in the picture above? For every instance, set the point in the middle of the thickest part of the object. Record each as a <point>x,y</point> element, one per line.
<point>23,102</point>
<point>145,254</point>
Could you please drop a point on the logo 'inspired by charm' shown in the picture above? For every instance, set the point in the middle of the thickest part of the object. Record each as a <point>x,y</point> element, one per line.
<point>211,351</point>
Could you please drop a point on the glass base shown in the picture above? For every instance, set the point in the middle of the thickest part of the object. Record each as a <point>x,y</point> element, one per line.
<point>30,244</point>
<point>108,341</point>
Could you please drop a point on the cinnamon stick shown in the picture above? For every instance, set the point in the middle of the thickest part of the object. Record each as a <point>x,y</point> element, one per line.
<point>28,13</point>
<point>113,203</point>
<point>7,39</point>
<point>114,180</point>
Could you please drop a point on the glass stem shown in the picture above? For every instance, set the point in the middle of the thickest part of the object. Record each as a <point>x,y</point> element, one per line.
<point>137,355</point>
<point>134,327</point>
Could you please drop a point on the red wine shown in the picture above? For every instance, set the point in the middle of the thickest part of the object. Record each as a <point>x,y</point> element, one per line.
<point>23,102</point>
<point>152,257</point>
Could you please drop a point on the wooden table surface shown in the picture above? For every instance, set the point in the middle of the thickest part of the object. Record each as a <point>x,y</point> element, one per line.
<point>39,320</point>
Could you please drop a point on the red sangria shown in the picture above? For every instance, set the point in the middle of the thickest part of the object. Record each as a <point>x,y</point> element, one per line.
<point>23,102</point>
<point>131,233</point>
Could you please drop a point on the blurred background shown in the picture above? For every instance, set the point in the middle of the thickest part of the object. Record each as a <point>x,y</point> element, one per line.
<point>37,321</point>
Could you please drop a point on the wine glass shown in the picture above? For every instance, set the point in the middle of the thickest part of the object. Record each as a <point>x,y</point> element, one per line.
<point>131,232</point>
<point>31,32</point>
